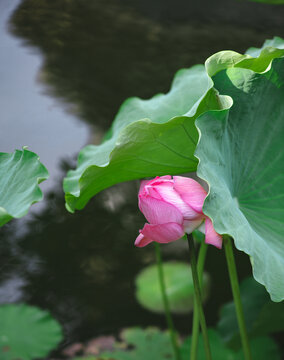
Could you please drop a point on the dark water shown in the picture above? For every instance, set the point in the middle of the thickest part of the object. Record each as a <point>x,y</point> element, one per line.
<point>68,66</point>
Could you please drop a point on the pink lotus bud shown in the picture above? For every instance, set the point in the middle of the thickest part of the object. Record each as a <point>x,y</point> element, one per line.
<point>173,206</point>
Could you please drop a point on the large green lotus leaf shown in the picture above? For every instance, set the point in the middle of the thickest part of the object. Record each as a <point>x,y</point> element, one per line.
<point>261,314</point>
<point>258,60</point>
<point>179,287</point>
<point>241,156</point>
<point>262,348</point>
<point>27,332</point>
<point>148,137</point>
<point>20,174</point>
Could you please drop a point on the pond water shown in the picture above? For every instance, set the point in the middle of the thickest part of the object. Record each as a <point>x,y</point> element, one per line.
<point>66,66</point>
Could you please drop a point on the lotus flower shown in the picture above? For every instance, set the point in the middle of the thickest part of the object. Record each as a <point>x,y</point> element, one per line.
<point>173,207</point>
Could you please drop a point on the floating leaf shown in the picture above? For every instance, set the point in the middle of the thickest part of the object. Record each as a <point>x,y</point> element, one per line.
<point>179,287</point>
<point>242,159</point>
<point>150,344</point>
<point>27,332</point>
<point>20,174</point>
<point>262,348</point>
<point>148,137</point>
<point>262,315</point>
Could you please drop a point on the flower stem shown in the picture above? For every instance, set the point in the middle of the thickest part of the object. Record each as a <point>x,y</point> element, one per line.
<point>236,294</point>
<point>166,303</point>
<point>195,322</point>
<point>198,297</point>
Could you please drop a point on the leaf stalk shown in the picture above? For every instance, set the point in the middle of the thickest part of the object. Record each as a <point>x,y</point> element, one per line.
<point>197,291</point>
<point>195,322</point>
<point>237,296</point>
<point>166,303</point>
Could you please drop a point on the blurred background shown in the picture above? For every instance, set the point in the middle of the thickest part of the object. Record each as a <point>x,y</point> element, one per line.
<point>66,66</point>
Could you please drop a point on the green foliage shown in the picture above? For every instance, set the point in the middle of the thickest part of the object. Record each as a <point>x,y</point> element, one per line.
<point>240,150</point>
<point>152,344</point>
<point>179,287</point>
<point>20,174</point>
<point>242,159</point>
<point>27,333</point>
<point>261,314</point>
<point>262,348</point>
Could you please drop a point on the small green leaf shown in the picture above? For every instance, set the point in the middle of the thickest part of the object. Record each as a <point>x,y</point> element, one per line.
<point>179,287</point>
<point>148,138</point>
<point>262,348</point>
<point>20,174</point>
<point>27,332</point>
<point>242,159</point>
<point>262,316</point>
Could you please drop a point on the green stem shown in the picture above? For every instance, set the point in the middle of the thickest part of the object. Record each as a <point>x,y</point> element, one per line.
<point>197,290</point>
<point>166,303</point>
<point>237,296</point>
<point>195,322</point>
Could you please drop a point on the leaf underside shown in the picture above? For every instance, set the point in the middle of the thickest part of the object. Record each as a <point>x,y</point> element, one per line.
<point>148,138</point>
<point>242,158</point>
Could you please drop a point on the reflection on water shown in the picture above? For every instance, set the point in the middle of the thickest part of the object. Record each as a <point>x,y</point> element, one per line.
<point>28,117</point>
<point>90,57</point>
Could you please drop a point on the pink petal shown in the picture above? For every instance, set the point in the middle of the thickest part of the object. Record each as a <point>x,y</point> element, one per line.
<point>191,192</point>
<point>162,233</point>
<point>211,237</point>
<point>149,183</point>
<point>153,192</point>
<point>142,186</point>
<point>166,177</point>
<point>141,240</point>
<point>159,211</point>
<point>167,192</point>
<point>190,225</point>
